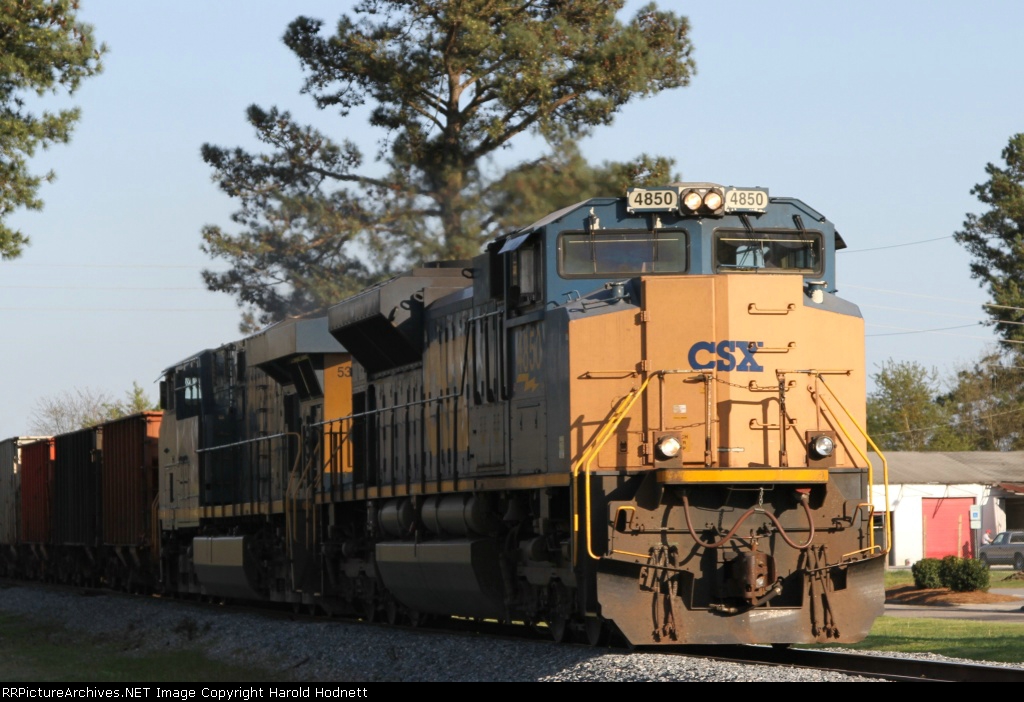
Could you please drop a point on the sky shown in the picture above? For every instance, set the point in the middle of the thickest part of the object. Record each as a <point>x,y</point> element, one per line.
<point>880,115</point>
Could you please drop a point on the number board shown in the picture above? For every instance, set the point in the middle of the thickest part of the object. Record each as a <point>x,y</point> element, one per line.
<point>746,200</point>
<point>652,199</point>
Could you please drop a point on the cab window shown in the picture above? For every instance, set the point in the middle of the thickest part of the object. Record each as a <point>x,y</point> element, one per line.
<point>616,252</point>
<point>186,390</point>
<point>782,252</point>
<point>525,275</point>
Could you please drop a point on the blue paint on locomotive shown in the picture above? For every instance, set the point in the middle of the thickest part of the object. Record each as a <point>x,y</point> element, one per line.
<point>783,215</point>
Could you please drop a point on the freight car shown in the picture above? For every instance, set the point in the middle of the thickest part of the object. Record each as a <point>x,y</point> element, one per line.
<point>80,507</point>
<point>639,415</point>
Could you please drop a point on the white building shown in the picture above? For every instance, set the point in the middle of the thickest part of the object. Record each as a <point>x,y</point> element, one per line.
<point>934,495</point>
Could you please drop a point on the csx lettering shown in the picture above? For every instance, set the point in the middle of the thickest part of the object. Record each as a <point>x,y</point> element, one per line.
<point>707,355</point>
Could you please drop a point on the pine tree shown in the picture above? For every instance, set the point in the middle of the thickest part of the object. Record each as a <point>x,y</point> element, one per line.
<point>995,240</point>
<point>450,83</point>
<point>43,49</point>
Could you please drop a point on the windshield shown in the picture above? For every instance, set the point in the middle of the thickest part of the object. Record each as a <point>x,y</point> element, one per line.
<point>798,252</point>
<point>621,252</point>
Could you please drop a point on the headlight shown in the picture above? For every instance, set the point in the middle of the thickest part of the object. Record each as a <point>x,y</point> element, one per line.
<point>713,200</point>
<point>692,201</point>
<point>668,447</point>
<point>703,201</point>
<point>822,446</point>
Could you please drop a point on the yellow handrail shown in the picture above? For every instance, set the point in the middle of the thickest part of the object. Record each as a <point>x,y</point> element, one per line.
<point>881,456</point>
<point>590,453</point>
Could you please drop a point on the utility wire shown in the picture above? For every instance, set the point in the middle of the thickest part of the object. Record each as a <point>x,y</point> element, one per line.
<point>941,314</point>
<point>947,424</point>
<point>896,246</point>
<point>938,330</point>
<point>146,310</point>
<point>930,297</point>
<point>919,331</point>
<point>19,264</point>
<point>100,287</point>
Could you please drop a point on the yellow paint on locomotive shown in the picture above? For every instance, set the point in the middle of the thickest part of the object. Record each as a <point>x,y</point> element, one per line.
<point>337,403</point>
<point>733,337</point>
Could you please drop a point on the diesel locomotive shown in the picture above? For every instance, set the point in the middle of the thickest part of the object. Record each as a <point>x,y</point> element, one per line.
<point>640,416</point>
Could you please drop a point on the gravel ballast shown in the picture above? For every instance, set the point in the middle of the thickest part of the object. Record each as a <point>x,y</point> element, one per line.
<point>332,650</point>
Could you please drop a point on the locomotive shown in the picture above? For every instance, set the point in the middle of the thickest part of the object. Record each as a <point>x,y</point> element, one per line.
<point>640,416</point>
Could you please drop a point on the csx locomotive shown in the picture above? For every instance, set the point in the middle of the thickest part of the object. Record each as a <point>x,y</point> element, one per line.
<point>640,415</point>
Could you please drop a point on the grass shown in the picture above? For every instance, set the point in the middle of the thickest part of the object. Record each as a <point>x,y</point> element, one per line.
<point>31,651</point>
<point>896,577</point>
<point>957,638</point>
<point>998,578</point>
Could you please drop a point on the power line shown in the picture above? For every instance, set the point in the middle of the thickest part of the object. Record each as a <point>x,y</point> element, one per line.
<point>896,246</point>
<point>910,294</point>
<point>146,310</point>
<point>939,330</point>
<point>950,423</point>
<point>19,264</point>
<point>919,331</point>
<point>100,287</point>
<point>933,297</point>
<point>904,309</point>
<point>941,314</point>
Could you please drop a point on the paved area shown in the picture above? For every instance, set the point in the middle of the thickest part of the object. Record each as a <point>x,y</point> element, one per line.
<point>995,612</point>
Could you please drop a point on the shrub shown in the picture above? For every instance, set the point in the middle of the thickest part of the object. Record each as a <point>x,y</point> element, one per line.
<point>926,574</point>
<point>964,575</point>
<point>947,568</point>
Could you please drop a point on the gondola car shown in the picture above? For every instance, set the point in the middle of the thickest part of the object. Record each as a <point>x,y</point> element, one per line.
<point>79,507</point>
<point>11,469</point>
<point>640,415</point>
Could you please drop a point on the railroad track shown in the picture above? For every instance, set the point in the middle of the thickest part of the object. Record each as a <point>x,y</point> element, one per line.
<point>869,665</point>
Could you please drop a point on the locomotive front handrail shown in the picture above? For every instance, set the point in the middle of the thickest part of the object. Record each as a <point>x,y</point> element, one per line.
<point>881,456</point>
<point>870,480</point>
<point>591,451</point>
<point>819,374</point>
<point>598,441</point>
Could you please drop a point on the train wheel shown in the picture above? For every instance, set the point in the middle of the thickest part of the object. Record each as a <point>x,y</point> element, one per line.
<point>391,611</point>
<point>368,610</point>
<point>596,630</point>
<point>560,629</point>
<point>415,618</point>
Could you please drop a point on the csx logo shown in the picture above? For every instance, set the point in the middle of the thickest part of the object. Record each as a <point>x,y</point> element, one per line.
<point>703,354</point>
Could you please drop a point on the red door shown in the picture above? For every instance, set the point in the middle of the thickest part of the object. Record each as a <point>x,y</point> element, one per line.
<point>947,526</point>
